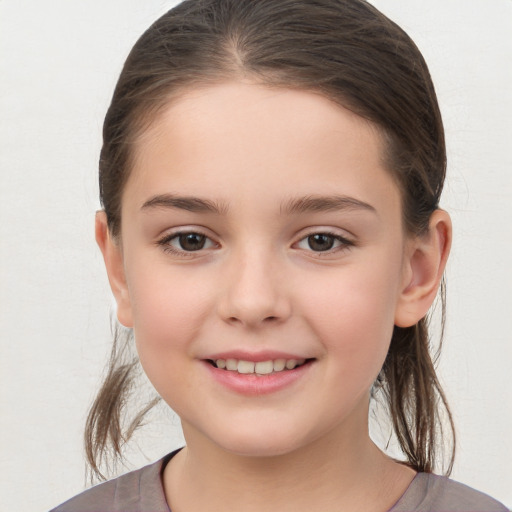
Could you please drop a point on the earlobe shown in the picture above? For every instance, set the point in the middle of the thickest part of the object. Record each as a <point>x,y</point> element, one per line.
<point>424,266</point>
<point>113,257</point>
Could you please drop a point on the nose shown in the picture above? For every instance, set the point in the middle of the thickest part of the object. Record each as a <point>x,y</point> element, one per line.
<point>254,290</point>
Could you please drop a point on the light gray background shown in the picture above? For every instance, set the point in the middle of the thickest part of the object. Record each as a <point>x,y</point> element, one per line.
<point>59,61</point>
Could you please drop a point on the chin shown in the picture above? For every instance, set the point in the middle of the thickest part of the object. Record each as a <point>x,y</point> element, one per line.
<point>260,443</point>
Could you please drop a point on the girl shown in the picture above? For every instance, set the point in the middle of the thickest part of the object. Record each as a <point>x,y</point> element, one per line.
<point>270,180</point>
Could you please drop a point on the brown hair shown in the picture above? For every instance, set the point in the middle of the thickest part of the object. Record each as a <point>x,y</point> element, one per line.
<point>349,52</point>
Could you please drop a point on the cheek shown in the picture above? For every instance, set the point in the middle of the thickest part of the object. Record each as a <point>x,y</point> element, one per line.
<point>355,317</point>
<point>168,310</point>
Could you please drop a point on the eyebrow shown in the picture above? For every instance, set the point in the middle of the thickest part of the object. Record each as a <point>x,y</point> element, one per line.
<point>325,203</point>
<point>293,206</point>
<point>189,203</point>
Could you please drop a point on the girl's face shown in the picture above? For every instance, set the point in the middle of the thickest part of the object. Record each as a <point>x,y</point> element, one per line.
<point>260,229</point>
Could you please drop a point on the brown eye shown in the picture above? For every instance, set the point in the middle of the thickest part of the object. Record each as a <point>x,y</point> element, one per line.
<point>324,243</point>
<point>321,242</point>
<point>186,242</point>
<point>191,241</point>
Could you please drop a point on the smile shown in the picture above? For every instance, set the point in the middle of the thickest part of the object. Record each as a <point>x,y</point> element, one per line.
<point>258,368</point>
<point>267,374</point>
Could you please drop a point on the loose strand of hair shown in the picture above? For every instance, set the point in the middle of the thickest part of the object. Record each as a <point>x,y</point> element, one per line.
<point>105,433</point>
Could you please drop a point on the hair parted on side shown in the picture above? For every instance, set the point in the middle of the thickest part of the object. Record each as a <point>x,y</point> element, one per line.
<point>352,54</point>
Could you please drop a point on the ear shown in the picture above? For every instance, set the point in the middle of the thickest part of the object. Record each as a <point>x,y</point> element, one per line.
<point>424,265</point>
<point>113,257</point>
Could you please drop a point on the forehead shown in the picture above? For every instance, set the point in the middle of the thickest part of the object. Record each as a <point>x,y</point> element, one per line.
<point>241,140</point>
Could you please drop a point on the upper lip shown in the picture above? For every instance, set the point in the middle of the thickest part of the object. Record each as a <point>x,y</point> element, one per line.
<point>256,357</point>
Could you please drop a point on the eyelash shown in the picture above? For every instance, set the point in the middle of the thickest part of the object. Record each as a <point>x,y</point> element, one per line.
<point>344,243</point>
<point>165,243</point>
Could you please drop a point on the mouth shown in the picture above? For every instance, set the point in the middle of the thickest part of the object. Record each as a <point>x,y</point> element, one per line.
<point>259,368</point>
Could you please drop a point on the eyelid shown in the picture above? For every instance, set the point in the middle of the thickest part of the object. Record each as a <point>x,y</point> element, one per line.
<point>164,241</point>
<point>346,242</point>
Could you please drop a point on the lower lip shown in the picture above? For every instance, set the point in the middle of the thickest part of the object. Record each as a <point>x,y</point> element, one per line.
<point>254,385</point>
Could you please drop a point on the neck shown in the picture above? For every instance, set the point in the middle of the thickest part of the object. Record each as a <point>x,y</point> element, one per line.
<point>328,474</point>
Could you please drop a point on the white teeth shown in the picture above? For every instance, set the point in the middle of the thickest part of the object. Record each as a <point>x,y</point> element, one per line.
<point>231,364</point>
<point>245,367</point>
<point>279,365</point>
<point>259,368</point>
<point>291,364</point>
<point>264,368</point>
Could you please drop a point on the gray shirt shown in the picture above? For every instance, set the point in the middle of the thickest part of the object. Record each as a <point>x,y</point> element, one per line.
<point>142,491</point>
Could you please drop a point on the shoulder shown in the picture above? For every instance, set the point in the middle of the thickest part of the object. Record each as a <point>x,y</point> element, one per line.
<point>433,493</point>
<point>137,491</point>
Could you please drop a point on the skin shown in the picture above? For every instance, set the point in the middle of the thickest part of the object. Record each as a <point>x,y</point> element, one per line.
<point>258,284</point>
